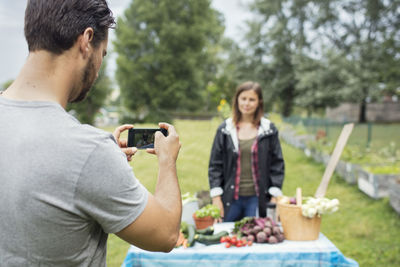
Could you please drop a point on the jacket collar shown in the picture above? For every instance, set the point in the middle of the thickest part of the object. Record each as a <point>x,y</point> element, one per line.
<point>230,129</point>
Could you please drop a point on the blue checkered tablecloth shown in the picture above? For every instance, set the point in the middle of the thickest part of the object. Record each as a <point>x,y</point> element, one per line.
<point>321,253</point>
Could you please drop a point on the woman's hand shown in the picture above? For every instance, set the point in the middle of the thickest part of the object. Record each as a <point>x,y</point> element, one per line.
<point>217,201</point>
<point>122,143</point>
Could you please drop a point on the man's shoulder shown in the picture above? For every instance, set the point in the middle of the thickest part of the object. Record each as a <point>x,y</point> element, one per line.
<point>95,133</point>
<point>88,138</point>
<point>74,137</point>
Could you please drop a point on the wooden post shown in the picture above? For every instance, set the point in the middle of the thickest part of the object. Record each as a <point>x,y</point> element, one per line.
<point>344,136</point>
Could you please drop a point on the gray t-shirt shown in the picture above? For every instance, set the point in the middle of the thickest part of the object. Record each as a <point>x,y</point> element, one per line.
<point>63,187</point>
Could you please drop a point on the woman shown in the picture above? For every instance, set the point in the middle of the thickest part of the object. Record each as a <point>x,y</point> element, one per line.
<point>246,158</point>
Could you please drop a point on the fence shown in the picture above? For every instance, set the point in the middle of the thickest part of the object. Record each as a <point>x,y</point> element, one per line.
<point>331,129</point>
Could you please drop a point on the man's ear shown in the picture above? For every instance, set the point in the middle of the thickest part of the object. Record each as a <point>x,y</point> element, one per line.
<point>86,41</point>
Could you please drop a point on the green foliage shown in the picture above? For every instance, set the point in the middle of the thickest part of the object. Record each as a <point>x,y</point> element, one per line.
<point>224,109</point>
<point>166,55</point>
<point>300,129</point>
<point>381,155</point>
<point>318,53</point>
<point>87,109</point>
<point>383,161</point>
<point>188,197</point>
<point>368,43</point>
<point>5,85</point>
<point>275,38</point>
<point>321,83</point>
<point>321,145</point>
<point>384,169</point>
<point>208,210</point>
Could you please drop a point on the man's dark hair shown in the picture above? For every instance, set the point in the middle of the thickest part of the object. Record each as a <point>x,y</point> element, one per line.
<point>54,25</point>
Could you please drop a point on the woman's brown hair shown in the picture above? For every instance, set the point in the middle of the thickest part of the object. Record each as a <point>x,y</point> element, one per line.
<point>237,115</point>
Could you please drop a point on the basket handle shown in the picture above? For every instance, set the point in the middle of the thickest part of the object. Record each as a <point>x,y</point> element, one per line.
<point>299,197</point>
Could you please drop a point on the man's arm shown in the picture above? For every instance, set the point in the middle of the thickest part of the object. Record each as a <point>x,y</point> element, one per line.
<point>157,228</point>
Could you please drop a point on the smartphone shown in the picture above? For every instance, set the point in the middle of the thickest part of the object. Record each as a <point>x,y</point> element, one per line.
<point>143,138</point>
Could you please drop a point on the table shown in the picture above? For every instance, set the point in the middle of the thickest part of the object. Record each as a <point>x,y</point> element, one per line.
<point>320,252</point>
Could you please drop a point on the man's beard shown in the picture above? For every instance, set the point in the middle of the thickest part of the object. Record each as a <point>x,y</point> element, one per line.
<point>88,79</point>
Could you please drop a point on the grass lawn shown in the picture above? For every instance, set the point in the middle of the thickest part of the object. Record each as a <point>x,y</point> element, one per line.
<point>363,229</point>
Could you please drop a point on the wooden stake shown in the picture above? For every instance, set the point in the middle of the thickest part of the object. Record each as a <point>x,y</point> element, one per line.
<point>344,136</point>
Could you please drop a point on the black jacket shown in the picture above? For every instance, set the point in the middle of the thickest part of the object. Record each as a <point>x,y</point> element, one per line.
<point>224,154</point>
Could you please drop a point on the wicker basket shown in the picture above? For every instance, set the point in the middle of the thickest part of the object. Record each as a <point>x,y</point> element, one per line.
<point>297,227</point>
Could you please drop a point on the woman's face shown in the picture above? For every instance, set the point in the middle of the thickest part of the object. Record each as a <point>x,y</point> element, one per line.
<point>248,102</point>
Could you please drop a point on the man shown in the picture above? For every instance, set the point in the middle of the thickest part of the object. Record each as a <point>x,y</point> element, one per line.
<point>64,185</point>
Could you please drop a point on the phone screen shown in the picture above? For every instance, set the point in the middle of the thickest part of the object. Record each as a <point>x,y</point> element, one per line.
<point>143,138</point>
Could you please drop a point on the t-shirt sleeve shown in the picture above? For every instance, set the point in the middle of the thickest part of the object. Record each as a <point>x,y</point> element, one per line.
<point>108,191</point>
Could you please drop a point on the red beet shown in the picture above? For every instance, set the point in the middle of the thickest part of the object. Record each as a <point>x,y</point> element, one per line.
<point>256,229</point>
<point>261,237</point>
<point>251,238</point>
<point>281,237</point>
<point>272,240</point>
<point>267,231</point>
<point>276,230</point>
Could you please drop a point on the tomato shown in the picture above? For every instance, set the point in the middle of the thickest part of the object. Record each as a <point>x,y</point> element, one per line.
<point>223,239</point>
<point>249,243</point>
<point>228,245</point>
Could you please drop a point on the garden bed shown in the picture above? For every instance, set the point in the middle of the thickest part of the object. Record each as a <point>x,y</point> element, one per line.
<point>394,194</point>
<point>374,185</point>
<point>347,171</point>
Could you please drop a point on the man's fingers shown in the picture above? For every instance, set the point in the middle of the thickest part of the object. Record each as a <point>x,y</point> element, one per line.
<point>123,143</point>
<point>129,151</point>
<point>151,151</point>
<point>164,125</point>
<point>169,127</point>
<point>117,132</point>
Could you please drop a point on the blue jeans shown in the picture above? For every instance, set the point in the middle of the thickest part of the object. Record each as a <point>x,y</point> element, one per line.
<point>243,207</point>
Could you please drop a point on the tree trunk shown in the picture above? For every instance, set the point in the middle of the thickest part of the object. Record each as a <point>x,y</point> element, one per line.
<point>287,100</point>
<point>363,111</point>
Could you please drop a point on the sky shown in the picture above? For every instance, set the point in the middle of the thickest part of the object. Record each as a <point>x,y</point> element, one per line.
<point>14,50</point>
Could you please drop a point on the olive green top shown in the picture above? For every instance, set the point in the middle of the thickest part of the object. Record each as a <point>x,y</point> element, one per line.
<point>246,185</point>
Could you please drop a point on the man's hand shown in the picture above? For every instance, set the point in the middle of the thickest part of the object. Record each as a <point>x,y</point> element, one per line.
<point>166,148</point>
<point>129,151</point>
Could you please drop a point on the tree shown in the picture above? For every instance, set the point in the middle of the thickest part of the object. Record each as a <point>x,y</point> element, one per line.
<point>88,108</point>
<point>232,69</point>
<point>366,32</point>
<point>166,55</point>
<point>276,36</point>
<point>321,83</point>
